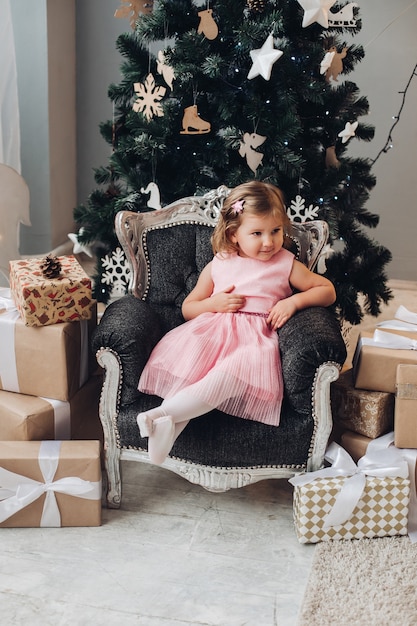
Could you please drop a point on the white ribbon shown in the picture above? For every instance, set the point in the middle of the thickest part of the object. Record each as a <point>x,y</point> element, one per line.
<point>8,368</point>
<point>378,463</point>
<point>410,456</point>
<point>381,339</point>
<point>62,418</point>
<point>18,491</point>
<point>404,320</point>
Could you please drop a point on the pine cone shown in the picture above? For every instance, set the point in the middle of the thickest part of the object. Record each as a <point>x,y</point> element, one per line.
<point>256,6</point>
<point>51,267</point>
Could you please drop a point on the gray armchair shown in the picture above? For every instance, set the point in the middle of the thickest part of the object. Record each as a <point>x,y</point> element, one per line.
<point>167,249</point>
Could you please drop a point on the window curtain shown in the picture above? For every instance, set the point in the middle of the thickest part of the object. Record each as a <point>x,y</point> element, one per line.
<point>9,106</point>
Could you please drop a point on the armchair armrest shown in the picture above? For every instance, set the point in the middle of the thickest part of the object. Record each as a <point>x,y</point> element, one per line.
<point>131,329</point>
<point>309,339</point>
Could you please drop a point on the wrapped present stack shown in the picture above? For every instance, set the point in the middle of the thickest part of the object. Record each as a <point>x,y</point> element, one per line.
<point>379,393</point>
<point>49,384</point>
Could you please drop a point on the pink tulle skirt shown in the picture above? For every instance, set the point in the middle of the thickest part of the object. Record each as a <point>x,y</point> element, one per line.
<point>229,361</point>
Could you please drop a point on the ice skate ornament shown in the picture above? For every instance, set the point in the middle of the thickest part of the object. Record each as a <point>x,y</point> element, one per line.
<point>348,131</point>
<point>344,17</point>
<point>298,212</point>
<point>316,11</point>
<point>263,59</point>
<point>247,149</point>
<point>148,98</point>
<point>133,8</point>
<point>165,70</point>
<point>154,201</point>
<point>207,25</point>
<point>117,273</point>
<point>192,124</point>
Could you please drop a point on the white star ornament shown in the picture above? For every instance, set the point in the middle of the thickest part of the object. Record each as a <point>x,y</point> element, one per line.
<point>263,59</point>
<point>79,247</point>
<point>316,11</point>
<point>348,131</point>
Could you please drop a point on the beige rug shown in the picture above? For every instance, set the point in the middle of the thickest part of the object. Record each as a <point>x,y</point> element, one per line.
<point>370,582</point>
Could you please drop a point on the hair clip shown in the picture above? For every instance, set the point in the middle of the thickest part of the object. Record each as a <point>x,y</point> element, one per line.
<point>237,207</point>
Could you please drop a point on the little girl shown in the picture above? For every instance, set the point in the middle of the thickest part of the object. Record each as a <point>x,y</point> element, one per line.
<point>226,355</point>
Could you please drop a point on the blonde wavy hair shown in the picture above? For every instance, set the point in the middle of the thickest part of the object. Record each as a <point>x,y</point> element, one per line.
<point>258,199</point>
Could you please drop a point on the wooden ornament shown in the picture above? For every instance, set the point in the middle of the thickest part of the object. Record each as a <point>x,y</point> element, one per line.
<point>192,124</point>
<point>132,9</point>
<point>247,149</point>
<point>148,96</point>
<point>336,63</point>
<point>207,25</point>
<point>331,158</point>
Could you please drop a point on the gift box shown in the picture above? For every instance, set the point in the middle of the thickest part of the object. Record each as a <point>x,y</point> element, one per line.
<point>355,444</point>
<point>50,483</point>
<point>405,423</point>
<point>349,501</point>
<point>49,361</point>
<point>377,356</point>
<point>369,413</point>
<point>42,301</point>
<point>30,418</point>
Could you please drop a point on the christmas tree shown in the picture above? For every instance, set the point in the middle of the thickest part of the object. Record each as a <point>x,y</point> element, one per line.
<point>243,89</point>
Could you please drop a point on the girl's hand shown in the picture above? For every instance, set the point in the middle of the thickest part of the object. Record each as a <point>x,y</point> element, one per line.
<point>281,313</point>
<point>227,302</point>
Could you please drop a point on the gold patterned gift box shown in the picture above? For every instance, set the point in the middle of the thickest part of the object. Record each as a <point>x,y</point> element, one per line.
<point>50,483</point>
<point>405,424</point>
<point>42,301</point>
<point>369,413</point>
<point>369,500</point>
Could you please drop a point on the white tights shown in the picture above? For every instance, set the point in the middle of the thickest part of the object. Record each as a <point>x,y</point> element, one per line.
<point>164,423</point>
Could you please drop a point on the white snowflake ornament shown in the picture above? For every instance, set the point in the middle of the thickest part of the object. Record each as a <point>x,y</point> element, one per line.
<point>117,273</point>
<point>297,211</point>
<point>148,98</point>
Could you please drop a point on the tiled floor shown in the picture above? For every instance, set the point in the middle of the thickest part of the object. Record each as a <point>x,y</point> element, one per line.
<point>173,555</point>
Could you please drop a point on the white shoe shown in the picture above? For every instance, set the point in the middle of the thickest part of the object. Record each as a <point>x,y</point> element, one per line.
<point>161,439</point>
<point>145,424</point>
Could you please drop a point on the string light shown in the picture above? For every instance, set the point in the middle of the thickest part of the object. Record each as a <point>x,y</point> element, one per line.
<point>389,142</point>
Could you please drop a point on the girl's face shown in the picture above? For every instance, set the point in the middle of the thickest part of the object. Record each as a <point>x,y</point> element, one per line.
<point>259,237</point>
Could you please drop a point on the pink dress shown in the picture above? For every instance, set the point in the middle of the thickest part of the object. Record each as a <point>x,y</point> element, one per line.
<point>228,360</point>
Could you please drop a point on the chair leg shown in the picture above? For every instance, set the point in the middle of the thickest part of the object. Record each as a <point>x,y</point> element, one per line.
<point>114,481</point>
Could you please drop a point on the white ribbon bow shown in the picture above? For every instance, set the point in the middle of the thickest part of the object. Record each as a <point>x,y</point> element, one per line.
<point>18,491</point>
<point>404,320</point>
<point>382,339</point>
<point>378,463</point>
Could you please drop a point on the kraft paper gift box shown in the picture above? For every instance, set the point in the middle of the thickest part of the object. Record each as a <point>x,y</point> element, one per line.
<point>349,501</point>
<point>377,356</point>
<point>50,484</point>
<point>42,301</point>
<point>369,413</point>
<point>30,418</point>
<point>405,423</point>
<point>49,361</point>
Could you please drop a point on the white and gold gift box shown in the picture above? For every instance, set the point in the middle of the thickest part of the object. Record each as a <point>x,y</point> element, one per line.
<point>349,501</point>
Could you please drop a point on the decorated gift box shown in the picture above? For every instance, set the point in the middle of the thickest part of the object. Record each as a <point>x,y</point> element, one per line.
<point>349,501</point>
<point>60,480</point>
<point>405,423</point>
<point>51,290</point>
<point>370,413</point>
<point>30,418</point>
<point>377,356</point>
<point>49,361</point>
